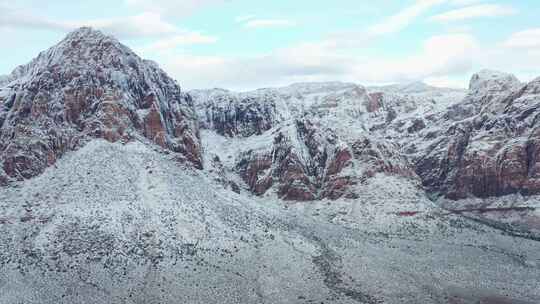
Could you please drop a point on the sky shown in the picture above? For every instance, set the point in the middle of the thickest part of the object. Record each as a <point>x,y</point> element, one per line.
<point>248,44</point>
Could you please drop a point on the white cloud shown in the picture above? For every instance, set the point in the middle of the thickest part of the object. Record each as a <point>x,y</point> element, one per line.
<point>529,38</point>
<point>178,8</point>
<point>475,11</point>
<point>447,82</point>
<point>267,23</point>
<point>402,19</point>
<point>441,56</point>
<point>244,18</point>
<point>396,23</point>
<point>142,25</point>
<point>145,25</point>
<point>464,2</point>
<point>444,60</point>
<point>18,18</point>
<point>304,62</point>
<point>173,42</point>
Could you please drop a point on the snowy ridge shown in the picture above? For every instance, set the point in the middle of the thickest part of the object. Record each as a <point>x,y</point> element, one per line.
<point>327,127</point>
<point>340,104</point>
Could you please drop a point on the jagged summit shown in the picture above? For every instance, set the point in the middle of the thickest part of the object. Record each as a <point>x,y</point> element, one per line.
<point>87,32</point>
<point>83,49</point>
<point>86,40</point>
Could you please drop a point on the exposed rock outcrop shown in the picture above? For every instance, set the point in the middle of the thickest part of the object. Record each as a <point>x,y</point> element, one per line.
<point>316,141</point>
<point>306,162</point>
<point>492,150</point>
<point>237,114</point>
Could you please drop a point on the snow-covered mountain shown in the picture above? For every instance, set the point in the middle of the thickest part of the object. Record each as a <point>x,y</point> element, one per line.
<point>118,187</point>
<point>89,86</point>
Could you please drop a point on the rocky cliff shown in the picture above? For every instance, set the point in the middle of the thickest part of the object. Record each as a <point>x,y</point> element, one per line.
<point>479,143</point>
<point>313,141</point>
<point>489,142</point>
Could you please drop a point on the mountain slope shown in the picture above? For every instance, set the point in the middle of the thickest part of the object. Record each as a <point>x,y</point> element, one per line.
<point>114,223</point>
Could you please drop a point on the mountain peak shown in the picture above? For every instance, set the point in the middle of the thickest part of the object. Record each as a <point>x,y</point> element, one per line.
<point>85,31</point>
<point>90,86</point>
<point>84,49</point>
<point>87,35</point>
<point>88,38</point>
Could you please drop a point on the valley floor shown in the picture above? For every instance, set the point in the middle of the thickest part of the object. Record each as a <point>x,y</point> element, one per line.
<point>116,223</point>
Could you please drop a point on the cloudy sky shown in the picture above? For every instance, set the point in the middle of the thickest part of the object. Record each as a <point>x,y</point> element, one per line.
<point>246,44</point>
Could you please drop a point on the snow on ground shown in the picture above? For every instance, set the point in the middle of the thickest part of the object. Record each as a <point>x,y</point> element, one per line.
<point>116,223</point>
<point>517,212</point>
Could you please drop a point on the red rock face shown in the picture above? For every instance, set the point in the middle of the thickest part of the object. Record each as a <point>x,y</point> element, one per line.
<point>496,171</point>
<point>294,182</point>
<point>341,159</point>
<point>337,187</point>
<point>154,128</point>
<point>494,152</point>
<point>328,170</point>
<point>254,171</point>
<point>375,102</point>
<point>95,88</point>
